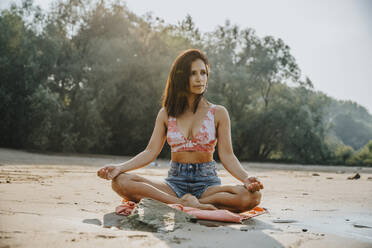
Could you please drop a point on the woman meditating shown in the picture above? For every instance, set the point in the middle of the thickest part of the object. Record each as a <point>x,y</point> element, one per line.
<point>192,126</point>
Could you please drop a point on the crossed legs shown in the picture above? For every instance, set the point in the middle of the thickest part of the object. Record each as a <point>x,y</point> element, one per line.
<point>234,198</point>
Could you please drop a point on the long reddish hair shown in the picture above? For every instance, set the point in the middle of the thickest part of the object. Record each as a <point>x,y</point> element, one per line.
<point>177,87</point>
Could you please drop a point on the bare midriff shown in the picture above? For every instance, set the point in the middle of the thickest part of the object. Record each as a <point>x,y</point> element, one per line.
<point>192,157</point>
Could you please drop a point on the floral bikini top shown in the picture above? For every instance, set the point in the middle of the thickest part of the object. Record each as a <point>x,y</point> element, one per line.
<point>204,141</point>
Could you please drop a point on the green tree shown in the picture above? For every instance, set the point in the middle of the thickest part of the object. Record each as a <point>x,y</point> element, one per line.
<point>20,72</point>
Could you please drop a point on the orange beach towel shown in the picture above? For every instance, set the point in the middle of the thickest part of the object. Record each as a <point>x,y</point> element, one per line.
<point>217,215</point>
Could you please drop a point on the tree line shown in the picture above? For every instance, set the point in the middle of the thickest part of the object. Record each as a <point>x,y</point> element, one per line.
<point>88,76</point>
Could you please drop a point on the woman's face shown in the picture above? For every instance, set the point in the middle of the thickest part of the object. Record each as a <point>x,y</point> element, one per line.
<point>198,77</point>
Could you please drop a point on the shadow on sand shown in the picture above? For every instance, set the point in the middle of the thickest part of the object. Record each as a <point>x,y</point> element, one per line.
<point>197,233</point>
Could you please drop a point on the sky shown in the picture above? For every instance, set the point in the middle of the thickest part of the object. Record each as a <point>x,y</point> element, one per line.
<point>330,39</point>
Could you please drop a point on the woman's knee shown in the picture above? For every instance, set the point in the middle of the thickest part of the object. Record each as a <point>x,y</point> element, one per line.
<point>120,183</point>
<point>250,200</point>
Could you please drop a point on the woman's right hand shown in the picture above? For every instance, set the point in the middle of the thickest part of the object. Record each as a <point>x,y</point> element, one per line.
<point>109,171</point>
<point>253,184</point>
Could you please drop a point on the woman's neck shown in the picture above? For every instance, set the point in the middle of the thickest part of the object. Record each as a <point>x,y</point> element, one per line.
<point>191,100</point>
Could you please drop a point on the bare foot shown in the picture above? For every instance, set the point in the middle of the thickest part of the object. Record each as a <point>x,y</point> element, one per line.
<point>189,200</point>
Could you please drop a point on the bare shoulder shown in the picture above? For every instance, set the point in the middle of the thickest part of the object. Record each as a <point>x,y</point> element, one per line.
<point>163,112</point>
<point>221,113</point>
<point>163,116</point>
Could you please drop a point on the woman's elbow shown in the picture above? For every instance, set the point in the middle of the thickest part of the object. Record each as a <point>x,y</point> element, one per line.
<point>152,153</point>
<point>226,155</point>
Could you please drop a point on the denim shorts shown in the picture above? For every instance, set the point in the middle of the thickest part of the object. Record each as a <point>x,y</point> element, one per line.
<point>192,178</point>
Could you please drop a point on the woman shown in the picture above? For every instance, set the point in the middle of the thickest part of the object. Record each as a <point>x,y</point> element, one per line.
<point>191,125</point>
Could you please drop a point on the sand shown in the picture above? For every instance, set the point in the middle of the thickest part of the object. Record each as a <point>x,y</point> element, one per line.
<point>53,200</point>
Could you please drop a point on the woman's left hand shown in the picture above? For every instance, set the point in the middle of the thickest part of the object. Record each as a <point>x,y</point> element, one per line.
<point>253,184</point>
<point>109,172</point>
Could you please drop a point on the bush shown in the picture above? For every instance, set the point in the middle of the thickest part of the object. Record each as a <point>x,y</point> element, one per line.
<point>343,154</point>
<point>363,156</point>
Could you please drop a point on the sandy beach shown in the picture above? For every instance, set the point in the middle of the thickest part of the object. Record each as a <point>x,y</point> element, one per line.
<point>57,200</point>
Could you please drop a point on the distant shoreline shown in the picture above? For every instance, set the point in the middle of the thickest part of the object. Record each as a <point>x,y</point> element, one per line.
<point>24,157</point>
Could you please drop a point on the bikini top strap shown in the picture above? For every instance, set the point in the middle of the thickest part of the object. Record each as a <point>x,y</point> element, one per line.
<point>213,109</point>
